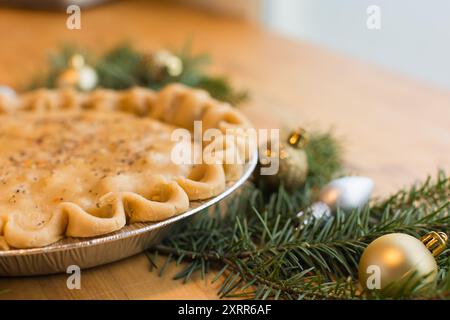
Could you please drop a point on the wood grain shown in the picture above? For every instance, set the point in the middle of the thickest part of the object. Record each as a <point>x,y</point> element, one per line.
<point>394,130</point>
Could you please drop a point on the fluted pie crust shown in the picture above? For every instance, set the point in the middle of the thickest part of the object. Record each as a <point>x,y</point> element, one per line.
<point>84,165</point>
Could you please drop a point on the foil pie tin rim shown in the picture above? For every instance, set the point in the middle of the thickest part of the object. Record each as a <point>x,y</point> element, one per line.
<point>146,227</point>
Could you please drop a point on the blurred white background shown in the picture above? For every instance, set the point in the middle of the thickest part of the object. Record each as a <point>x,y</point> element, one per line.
<point>414,37</point>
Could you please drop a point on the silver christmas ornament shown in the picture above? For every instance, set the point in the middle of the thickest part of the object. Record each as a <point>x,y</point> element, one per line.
<point>7,92</point>
<point>8,98</point>
<point>347,193</point>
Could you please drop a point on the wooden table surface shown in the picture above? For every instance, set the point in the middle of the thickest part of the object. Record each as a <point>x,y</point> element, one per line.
<point>394,129</point>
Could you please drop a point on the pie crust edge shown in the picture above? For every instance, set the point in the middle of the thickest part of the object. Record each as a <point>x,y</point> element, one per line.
<point>175,104</point>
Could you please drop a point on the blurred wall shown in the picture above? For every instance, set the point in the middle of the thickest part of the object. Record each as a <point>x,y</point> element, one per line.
<point>414,37</point>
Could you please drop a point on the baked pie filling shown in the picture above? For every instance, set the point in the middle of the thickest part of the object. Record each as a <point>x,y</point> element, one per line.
<point>84,165</point>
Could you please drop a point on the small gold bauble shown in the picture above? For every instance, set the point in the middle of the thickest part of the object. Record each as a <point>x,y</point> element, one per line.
<point>293,163</point>
<point>395,261</point>
<point>78,75</point>
<point>68,78</point>
<point>163,63</point>
<point>298,138</point>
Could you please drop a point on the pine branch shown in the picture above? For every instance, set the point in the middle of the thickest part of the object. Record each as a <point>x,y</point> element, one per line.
<point>262,254</point>
<point>123,67</point>
<point>256,246</point>
<point>426,195</point>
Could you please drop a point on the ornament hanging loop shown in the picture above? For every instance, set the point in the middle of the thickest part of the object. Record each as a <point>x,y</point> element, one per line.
<point>436,242</point>
<point>298,138</point>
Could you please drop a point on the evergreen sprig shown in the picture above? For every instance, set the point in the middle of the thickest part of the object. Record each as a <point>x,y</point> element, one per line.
<point>255,244</point>
<point>123,67</point>
<point>258,250</point>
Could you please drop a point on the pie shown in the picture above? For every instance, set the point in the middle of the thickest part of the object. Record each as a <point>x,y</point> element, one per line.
<point>83,165</point>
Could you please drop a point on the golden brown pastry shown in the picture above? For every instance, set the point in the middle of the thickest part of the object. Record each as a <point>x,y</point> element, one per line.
<point>84,165</point>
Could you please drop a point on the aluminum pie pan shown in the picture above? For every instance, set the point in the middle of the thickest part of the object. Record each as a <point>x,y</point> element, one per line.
<point>91,252</point>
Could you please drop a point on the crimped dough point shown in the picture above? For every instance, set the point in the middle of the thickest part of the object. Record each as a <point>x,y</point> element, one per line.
<point>204,181</point>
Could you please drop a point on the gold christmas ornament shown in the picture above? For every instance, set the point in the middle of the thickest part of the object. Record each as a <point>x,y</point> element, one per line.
<point>78,75</point>
<point>395,262</point>
<point>163,63</point>
<point>292,159</point>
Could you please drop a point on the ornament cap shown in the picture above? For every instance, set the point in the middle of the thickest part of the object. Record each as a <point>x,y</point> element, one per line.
<point>436,242</point>
<point>77,61</point>
<point>298,138</point>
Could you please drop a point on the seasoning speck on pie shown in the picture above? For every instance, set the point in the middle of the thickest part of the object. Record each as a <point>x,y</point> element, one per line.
<point>82,165</point>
